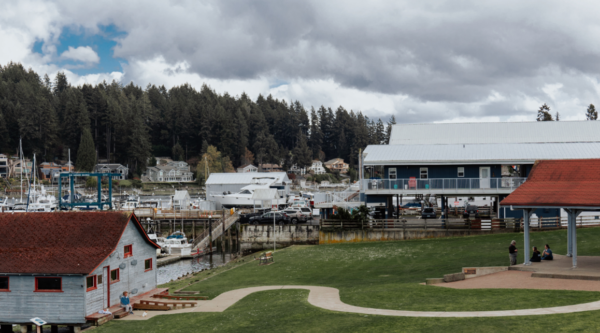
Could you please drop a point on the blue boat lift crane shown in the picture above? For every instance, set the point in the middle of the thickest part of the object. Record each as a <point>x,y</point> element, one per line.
<point>72,176</point>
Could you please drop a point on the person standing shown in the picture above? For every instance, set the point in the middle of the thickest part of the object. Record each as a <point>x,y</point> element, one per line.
<point>512,253</point>
<point>126,303</point>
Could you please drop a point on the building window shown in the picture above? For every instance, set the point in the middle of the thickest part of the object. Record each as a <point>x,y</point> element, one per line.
<point>4,286</point>
<point>461,171</point>
<point>48,284</point>
<point>99,278</point>
<point>128,251</point>
<point>114,275</point>
<point>90,283</point>
<point>424,173</point>
<point>392,173</point>
<point>148,264</point>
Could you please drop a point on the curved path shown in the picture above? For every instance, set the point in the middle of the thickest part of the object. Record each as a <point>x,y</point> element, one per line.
<point>329,299</point>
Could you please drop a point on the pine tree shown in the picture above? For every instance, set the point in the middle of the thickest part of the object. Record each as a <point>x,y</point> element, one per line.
<point>591,113</point>
<point>557,116</point>
<point>86,154</point>
<point>177,152</point>
<point>388,131</point>
<point>544,113</point>
<point>380,133</point>
<point>302,154</point>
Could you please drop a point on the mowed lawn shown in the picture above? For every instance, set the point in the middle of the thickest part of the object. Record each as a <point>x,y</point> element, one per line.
<point>380,275</point>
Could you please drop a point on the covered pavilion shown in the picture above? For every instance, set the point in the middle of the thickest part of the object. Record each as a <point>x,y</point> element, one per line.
<point>573,185</point>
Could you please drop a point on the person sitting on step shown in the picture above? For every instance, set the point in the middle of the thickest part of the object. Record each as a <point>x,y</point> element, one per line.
<point>536,255</point>
<point>547,254</point>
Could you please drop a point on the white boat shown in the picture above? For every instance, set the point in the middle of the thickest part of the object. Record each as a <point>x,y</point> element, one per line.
<point>4,206</point>
<point>177,241</point>
<point>132,203</point>
<point>243,199</point>
<point>46,203</point>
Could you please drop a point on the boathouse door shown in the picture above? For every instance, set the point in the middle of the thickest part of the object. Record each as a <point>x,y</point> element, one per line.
<point>484,177</point>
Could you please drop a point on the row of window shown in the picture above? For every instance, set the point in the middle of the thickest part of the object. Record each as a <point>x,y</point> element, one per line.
<point>424,173</point>
<point>54,284</point>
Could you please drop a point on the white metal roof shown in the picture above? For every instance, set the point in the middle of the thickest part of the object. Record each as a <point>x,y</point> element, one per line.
<point>265,194</point>
<point>245,178</point>
<point>181,195</point>
<point>509,153</point>
<point>499,132</point>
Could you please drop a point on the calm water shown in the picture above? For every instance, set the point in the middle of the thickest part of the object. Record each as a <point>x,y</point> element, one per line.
<point>184,267</point>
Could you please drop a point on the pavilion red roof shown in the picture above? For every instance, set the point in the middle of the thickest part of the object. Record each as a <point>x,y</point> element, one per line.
<point>60,243</point>
<point>559,183</point>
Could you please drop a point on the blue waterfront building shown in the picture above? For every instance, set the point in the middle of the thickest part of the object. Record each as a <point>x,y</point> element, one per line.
<point>453,160</point>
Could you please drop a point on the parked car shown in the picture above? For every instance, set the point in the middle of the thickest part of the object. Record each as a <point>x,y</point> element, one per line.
<point>296,215</point>
<point>428,213</point>
<point>281,218</point>
<point>471,210</point>
<point>306,211</point>
<point>245,218</point>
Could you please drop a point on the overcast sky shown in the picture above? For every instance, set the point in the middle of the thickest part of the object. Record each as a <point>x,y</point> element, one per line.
<point>422,61</point>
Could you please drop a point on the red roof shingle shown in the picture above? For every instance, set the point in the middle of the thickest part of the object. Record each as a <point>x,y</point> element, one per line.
<point>559,183</point>
<point>59,243</point>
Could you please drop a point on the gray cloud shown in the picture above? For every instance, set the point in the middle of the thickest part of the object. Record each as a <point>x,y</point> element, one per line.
<point>449,54</point>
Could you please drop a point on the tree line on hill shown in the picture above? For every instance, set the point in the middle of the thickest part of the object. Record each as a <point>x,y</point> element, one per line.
<point>130,124</point>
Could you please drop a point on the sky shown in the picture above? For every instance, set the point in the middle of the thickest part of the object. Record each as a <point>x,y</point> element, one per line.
<point>421,61</point>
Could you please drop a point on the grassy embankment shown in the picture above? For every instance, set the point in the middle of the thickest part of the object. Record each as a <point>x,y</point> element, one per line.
<point>379,275</point>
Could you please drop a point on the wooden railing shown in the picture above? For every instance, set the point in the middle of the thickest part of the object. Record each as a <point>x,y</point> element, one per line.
<point>453,223</point>
<point>145,212</point>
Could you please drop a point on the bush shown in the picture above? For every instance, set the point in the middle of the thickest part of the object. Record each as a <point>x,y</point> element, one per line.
<point>91,182</point>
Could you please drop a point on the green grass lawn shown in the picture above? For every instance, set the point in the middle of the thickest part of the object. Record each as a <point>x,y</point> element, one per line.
<point>380,275</point>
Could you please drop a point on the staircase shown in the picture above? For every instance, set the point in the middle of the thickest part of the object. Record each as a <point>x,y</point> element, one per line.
<point>202,241</point>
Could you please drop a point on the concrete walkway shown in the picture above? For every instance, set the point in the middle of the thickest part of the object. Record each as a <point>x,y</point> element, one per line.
<point>521,280</point>
<point>329,299</point>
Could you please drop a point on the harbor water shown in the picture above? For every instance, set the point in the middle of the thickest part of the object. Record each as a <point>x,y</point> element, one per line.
<point>184,267</point>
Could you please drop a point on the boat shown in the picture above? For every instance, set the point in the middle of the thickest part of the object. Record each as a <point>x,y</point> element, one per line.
<point>5,206</point>
<point>132,203</point>
<point>177,241</point>
<point>243,198</point>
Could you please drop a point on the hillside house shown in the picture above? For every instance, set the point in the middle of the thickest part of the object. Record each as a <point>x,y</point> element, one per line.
<point>317,168</point>
<point>173,171</point>
<point>3,166</point>
<point>113,168</point>
<point>268,167</point>
<point>63,267</point>
<point>337,164</point>
<point>247,168</point>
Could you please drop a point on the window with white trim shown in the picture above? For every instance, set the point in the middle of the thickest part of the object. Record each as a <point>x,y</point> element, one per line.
<point>461,171</point>
<point>424,173</point>
<point>392,173</point>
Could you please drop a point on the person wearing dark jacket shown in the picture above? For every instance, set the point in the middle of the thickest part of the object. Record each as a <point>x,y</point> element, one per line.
<point>512,253</point>
<point>536,255</point>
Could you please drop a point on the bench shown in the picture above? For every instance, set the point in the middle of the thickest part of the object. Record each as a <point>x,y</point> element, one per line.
<point>161,305</point>
<point>181,297</point>
<point>266,257</point>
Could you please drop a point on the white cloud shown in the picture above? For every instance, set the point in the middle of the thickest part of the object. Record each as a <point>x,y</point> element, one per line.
<point>421,61</point>
<point>83,54</point>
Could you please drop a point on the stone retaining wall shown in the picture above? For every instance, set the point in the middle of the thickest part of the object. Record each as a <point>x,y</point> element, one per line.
<point>260,237</point>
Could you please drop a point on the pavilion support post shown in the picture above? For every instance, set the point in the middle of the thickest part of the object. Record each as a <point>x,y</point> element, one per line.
<point>573,214</point>
<point>569,234</point>
<point>526,218</point>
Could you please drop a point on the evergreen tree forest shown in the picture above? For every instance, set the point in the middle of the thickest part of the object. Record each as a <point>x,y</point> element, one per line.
<point>131,124</point>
